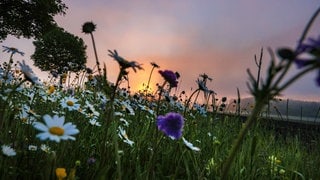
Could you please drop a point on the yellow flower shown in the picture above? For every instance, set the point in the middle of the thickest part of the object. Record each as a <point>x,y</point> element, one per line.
<point>51,89</point>
<point>61,173</point>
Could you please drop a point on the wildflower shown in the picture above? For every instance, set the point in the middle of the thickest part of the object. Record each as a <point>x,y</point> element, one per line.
<point>12,50</point>
<point>205,77</point>
<point>61,173</point>
<point>28,73</point>
<point>124,64</point>
<point>91,160</point>
<point>88,27</point>
<point>125,122</point>
<point>24,116</point>
<point>190,145</point>
<point>51,89</point>
<point>70,103</point>
<point>54,129</point>
<point>170,77</point>
<point>32,148</point>
<point>120,114</point>
<point>171,124</point>
<point>312,48</point>
<point>94,122</point>
<point>201,109</point>
<point>145,108</point>
<point>8,151</point>
<point>123,135</point>
<point>91,110</point>
<point>127,107</point>
<point>154,65</point>
<point>202,85</point>
<point>45,148</point>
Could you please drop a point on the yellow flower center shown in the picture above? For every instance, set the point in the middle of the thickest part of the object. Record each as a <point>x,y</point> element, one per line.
<point>61,173</point>
<point>56,130</point>
<point>70,103</point>
<point>51,89</point>
<point>90,77</point>
<point>24,119</point>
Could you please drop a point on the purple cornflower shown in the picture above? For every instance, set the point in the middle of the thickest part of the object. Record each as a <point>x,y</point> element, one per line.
<point>169,76</point>
<point>171,124</point>
<point>91,160</point>
<point>312,48</point>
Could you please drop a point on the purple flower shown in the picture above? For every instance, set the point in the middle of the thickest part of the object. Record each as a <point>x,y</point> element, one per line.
<point>169,76</point>
<point>318,78</point>
<point>312,45</point>
<point>171,124</point>
<point>312,49</point>
<point>91,160</point>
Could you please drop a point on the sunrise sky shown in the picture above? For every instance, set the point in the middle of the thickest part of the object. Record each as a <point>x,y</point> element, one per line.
<point>216,37</point>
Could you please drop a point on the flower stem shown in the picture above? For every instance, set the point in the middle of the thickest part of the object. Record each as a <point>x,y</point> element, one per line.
<point>188,102</point>
<point>306,30</point>
<point>95,53</point>
<point>252,119</point>
<point>147,88</point>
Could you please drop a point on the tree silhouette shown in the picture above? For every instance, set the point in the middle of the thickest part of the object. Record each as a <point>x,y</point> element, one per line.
<point>59,51</point>
<point>32,18</point>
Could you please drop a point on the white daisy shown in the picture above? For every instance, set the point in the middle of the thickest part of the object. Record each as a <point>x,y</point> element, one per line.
<point>126,105</point>
<point>54,129</point>
<point>8,151</point>
<point>45,148</point>
<point>32,148</point>
<point>70,103</point>
<point>94,122</point>
<point>28,73</point>
<point>190,145</point>
<point>27,115</point>
<point>125,122</point>
<point>123,135</point>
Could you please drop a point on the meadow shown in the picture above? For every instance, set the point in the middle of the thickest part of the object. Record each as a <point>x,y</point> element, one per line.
<point>86,127</point>
<point>129,144</point>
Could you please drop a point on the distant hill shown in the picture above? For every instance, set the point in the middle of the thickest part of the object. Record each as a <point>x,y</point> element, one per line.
<point>283,107</point>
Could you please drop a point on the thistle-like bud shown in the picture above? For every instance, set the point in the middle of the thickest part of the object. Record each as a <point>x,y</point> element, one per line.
<point>88,27</point>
